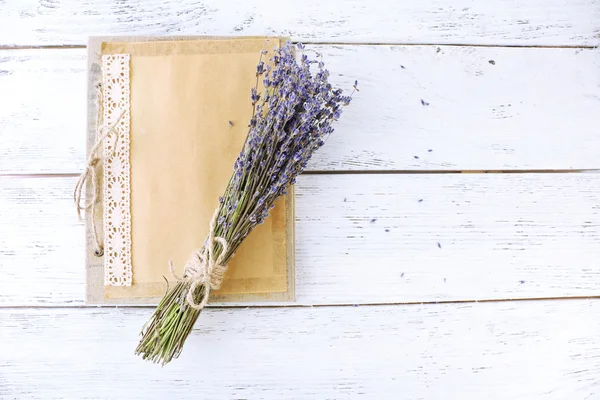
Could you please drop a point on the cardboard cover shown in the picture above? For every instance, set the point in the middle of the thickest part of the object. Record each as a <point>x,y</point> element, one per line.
<point>189,112</point>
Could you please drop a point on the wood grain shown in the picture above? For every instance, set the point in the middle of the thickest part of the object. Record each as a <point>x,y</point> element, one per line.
<point>43,120</point>
<point>361,238</point>
<point>529,109</point>
<point>514,350</point>
<point>497,22</point>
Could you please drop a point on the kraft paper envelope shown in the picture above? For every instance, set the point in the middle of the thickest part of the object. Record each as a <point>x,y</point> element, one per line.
<point>189,109</point>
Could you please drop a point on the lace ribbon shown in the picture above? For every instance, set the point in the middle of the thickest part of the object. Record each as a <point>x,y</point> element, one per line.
<point>89,172</point>
<point>113,120</point>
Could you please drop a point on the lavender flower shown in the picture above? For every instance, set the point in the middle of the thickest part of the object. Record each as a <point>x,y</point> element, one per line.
<point>292,116</point>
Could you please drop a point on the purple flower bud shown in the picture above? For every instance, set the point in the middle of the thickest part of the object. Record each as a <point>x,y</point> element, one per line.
<point>254,95</point>
<point>260,68</point>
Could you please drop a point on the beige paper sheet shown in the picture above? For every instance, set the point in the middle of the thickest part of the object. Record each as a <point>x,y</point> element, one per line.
<point>183,95</point>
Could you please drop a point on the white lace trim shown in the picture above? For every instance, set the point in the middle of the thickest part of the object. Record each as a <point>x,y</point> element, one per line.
<point>117,192</point>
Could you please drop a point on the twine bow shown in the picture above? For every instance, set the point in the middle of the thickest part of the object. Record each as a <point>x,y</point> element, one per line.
<point>95,157</point>
<point>203,268</point>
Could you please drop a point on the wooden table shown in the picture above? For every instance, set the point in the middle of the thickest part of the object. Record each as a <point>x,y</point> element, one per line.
<point>448,234</point>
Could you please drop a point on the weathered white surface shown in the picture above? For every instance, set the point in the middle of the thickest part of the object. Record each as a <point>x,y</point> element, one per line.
<point>497,351</point>
<point>531,109</point>
<point>42,111</point>
<point>501,236</point>
<point>504,22</point>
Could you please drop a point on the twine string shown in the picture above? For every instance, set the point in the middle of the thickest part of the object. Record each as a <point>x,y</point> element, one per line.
<point>103,131</point>
<point>203,268</point>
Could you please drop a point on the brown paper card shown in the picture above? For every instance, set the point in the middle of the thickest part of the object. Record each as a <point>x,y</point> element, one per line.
<point>184,94</point>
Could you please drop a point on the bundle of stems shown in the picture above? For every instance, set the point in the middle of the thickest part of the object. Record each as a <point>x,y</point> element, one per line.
<point>292,115</point>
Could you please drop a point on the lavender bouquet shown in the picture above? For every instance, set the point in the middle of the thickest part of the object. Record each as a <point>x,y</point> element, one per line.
<point>292,115</point>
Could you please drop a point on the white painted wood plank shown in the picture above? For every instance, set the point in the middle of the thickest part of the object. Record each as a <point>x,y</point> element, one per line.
<point>472,236</point>
<point>530,109</point>
<point>474,108</point>
<point>42,111</point>
<point>515,350</point>
<point>361,238</point>
<point>41,242</point>
<point>503,22</point>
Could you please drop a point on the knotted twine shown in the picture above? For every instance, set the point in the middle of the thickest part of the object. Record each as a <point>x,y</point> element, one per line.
<point>96,156</point>
<point>204,268</point>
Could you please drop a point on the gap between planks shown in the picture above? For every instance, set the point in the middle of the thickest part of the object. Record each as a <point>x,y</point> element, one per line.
<point>294,305</point>
<point>363,172</point>
<point>341,43</point>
